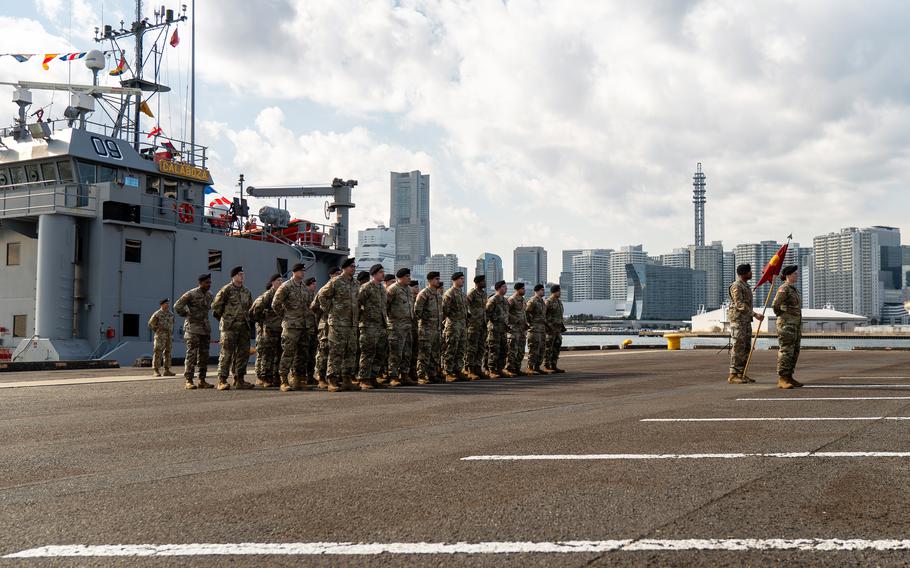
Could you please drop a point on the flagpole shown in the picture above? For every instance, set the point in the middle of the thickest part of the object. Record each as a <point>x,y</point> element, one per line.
<point>763,312</point>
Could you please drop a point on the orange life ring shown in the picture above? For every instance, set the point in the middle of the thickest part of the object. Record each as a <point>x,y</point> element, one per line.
<point>185,213</point>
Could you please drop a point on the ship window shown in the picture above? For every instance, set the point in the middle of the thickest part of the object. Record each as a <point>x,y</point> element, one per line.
<point>132,250</point>
<point>19,325</point>
<point>170,189</point>
<point>65,169</point>
<point>4,176</point>
<point>86,172</point>
<point>18,174</point>
<point>48,172</point>
<point>12,254</point>
<point>106,174</point>
<point>31,171</point>
<point>214,260</point>
<point>152,185</point>
<point>130,325</point>
<point>282,264</point>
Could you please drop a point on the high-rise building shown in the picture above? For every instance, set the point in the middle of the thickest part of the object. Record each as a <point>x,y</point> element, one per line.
<point>566,286</point>
<point>662,292</point>
<point>758,255</point>
<point>591,276</point>
<point>807,276</point>
<point>530,265</point>
<point>565,277</point>
<point>490,265</point>
<point>444,264</point>
<point>710,259</point>
<point>847,266</point>
<point>729,267</point>
<point>410,217</point>
<point>376,245</point>
<point>679,258</point>
<point>890,275</point>
<point>632,254</point>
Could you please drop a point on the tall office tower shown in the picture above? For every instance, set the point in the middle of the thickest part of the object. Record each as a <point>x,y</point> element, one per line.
<point>410,217</point>
<point>660,292</point>
<point>729,267</point>
<point>632,254</point>
<point>847,266</point>
<point>807,276</point>
<point>530,265</point>
<point>710,259</point>
<point>591,276</point>
<point>758,255</point>
<point>890,275</point>
<point>376,245</point>
<point>698,199</point>
<point>444,264</point>
<point>565,277</point>
<point>490,265</point>
<point>905,266</point>
<point>679,258</point>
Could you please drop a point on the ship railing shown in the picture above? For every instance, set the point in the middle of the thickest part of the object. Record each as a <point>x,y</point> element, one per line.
<point>32,198</point>
<point>308,235</point>
<point>170,212</point>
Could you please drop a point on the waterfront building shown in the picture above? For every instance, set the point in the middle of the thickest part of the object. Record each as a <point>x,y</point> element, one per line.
<point>710,259</point>
<point>758,255</point>
<point>445,264</point>
<point>410,217</point>
<point>530,265</point>
<point>591,276</point>
<point>490,265</point>
<point>656,292</point>
<point>847,265</point>
<point>631,254</point>
<point>376,245</point>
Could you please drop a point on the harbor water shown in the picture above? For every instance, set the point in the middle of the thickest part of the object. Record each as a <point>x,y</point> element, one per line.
<point>838,343</point>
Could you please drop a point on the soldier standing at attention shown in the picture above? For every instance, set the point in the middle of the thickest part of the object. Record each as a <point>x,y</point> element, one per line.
<point>497,311</point>
<point>292,303</point>
<point>428,312</point>
<point>312,331</point>
<point>454,336</point>
<point>322,331</point>
<point>340,303</point>
<point>197,332</point>
<point>400,315</point>
<point>162,325</point>
<point>518,330</point>
<point>373,328</point>
<point>477,329</point>
<point>415,290</point>
<point>787,307</point>
<point>555,328</point>
<point>387,282</point>
<point>740,314</point>
<point>232,310</point>
<point>268,334</point>
<point>536,313</point>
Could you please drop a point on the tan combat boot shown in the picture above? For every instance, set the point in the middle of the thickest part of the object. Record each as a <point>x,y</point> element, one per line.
<point>423,380</point>
<point>205,385</point>
<point>188,385</point>
<point>735,379</point>
<point>223,384</point>
<point>784,383</point>
<point>242,384</point>
<point>507,374</point>
<point>366,384</point>
<point>450,378</point>
<point>168,373</point>
<point>262,383</point>
<point>796,383</point>
<point>156,373</point>
<point>557,370</point>
<point>531,372</point>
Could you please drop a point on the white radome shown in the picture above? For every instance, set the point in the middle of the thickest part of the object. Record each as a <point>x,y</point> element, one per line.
<point>95,60</point>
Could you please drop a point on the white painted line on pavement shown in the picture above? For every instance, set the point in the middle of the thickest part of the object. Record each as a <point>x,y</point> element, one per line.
<point>876,378</point>
<point>370,549</point>
<point>775,419</point>
<point>791,399</point>
<point>857,386</point>
<point>582,457</point>
<point>82,381</point>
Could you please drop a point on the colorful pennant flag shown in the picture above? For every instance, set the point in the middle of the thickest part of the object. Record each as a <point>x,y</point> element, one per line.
<point>175,39</point>
<point>155,132</point>
<point>144,108</point>
<point>48,57</point>
<point>774,266</point>
<point>72,56</point>
<point>120,69</point>
<point>21,57</point>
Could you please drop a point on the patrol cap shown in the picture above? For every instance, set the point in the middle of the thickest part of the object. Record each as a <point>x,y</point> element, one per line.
<point>334,270</point>
<point>555,288</point>
<point>297,267</point>
<point>347,262</point>
<point>499,284</point>
<point>236,270</point>
<point>402,272</point>
<point>363,276</point>
<point>743,269</point>
<point>432,275</point>
<point>164,301</point>
<point>538,287</point>
<point>388,278</point>
<point>310,280</point>
<point>375,268</point>
<point>519,285</point>
<point>204,277</point>
<point>480,278</point>
<point>414,283</point>
<point>457,275</point>
<point>788,270</point>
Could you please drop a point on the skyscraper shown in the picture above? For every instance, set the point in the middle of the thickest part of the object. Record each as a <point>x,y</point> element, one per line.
<point>710,259</point>
<point>632,254</point>
<point>847,266</point>
<point>591,275</point>
<point>679,258</point>
<point>445,264</point>
<point>530,265</point>
<point>410,217</point>
<point>565,276</point>
<point>758,255</point>
<point>376,245</point>
<point>890,274</point>
<point>490,265</point>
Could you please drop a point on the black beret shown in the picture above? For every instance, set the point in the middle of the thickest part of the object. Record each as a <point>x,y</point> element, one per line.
<point>203,277</point>
<point>555,288</point>
<point>432,275</point>
<point>375,268</point>
<point>347,262</point>
<point>538,287</point>
<point>363,276</point>
<point>457,275</point>
<point>165,301</point>
<point>788,270</point>
<point>388,278</point>
<point>414,283</point>
<point>402,272</point>
<point>500,284</point>
<point>519,285</point>
<point>297,267</point>
<point>334,270</point>
<point>274,277</point>
<point>743,269</point>
<point>480,278</point>
<point>310,280</point>
<point>236,270</point>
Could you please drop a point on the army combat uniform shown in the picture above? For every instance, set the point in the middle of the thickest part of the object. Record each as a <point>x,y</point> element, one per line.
<point>740,315</point>
<point>268,338</point>
<point>340,304</point>
<point>454,335</point>
<point>162,325</point>
<point>497,311</point>
<point>197,332</point>
<point>292,302</point>
<point>373,333</point>
<point>477,332</point>
<point>400,317</point>
<point>428,312</point>
<point>536,313</point>
<point>788,309</point>
<point>232,310</point>
<point>555,328</point>
<point>518,333</point>
<point>322,335</point>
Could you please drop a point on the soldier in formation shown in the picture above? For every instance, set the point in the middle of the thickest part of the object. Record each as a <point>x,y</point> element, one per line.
<point>476,329</point>
<point>415,291</point>
<point>428,313</point>
<point>454,335</point>
<point>292,304</point>
<point>536,314</point>
<point>340,304</point>
<point>371,299</point>
<point>518,331</point>
<point>322,331</point>
<point>555,329</point>
<point>740,315</point>
<point>268,334</point>
<point>162,325</point>
<point>231,308</point>
<point>497,314</point>
<point>787,307</point>
<point>400,318</point>
<point>312,332</point>
<point>195,305</point>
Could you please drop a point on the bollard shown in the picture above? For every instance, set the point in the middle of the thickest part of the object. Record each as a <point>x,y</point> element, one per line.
<point>673,341</point>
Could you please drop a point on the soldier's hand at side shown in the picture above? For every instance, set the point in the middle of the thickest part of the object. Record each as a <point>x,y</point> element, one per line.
<point>759,317</point>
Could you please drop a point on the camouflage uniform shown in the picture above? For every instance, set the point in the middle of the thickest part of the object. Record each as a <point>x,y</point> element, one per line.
<point>428,312</point>
<point>536,314</point>
<point>232,310</point>
<point>788,309</point>
<point>373,331</point>
<point>292,303</point>
<point>197,332</point>
<point>162,325</point>
<point>497,311</point>
<point>518,332</point>
<point>555,328</point>
<point>268,337</point>
<point>400,312</point>
<point>340,303</point>
<point>312,340</point>
<point>740,315</point>
<point>322,333</point>
<point>477,329</point>
<point>454,336</point>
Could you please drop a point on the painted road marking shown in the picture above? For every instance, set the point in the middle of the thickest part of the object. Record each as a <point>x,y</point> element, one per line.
<point>858,386</point>
<point>786,455</point>
<point>776,399</point>
<point>82,381</point>
<point>875,378</point>
<point>796,419</point>
<point>370,549</point>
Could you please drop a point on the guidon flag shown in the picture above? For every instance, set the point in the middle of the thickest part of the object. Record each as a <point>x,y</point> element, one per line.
<point>774,265</point>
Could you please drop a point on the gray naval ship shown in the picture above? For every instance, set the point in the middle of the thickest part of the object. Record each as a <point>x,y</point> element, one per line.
<point>100,220</point>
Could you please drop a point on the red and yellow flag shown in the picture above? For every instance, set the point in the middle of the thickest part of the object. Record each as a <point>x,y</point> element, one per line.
<point>774,266</point>
<point>48,57</point>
